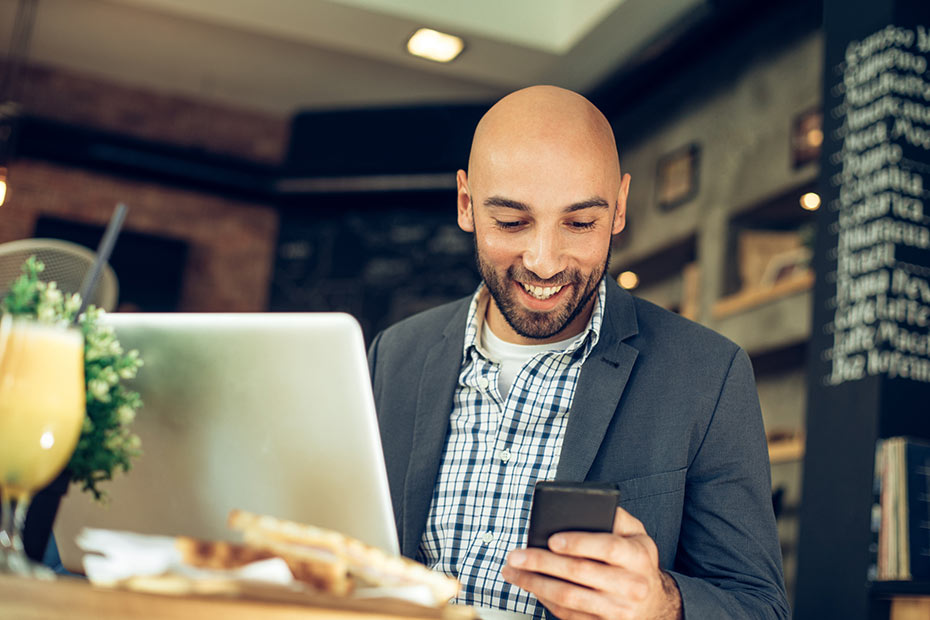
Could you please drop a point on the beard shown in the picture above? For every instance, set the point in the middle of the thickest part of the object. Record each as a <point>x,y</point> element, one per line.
<point>533,324</point>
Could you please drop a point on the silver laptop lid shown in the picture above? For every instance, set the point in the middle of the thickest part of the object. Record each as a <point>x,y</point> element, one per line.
<point>270,413</point>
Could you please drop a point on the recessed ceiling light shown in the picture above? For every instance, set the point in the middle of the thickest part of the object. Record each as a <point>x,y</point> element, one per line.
<point>810,201</point>
<point>435,45</point>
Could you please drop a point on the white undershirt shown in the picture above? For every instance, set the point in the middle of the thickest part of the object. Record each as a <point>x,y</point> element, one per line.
<point>512,357</point>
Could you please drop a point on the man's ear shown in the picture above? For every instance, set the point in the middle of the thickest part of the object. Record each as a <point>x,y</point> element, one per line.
<point>619,222</point>
<point>466,214</point>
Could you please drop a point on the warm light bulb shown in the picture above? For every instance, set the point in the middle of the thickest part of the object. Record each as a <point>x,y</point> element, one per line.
<point>628,280</point>
<point>2,185</point>
<point>435,45</point>
<point>810,201</point>
<point>815,137</point>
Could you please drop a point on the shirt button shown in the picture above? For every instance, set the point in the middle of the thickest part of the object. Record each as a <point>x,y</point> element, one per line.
<point>504,455</point>
<point>487,537</point>
<point>483,383</point>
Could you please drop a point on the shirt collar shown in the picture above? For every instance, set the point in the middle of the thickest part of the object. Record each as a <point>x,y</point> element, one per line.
<point>478,309</point>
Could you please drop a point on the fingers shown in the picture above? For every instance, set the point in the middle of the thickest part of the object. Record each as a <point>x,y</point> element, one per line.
<point>635,552</point>
<point>566,599</point>
<point>608,575</point>
<point>582,571</point>
<point>626,524</point>
<point>564,613</point>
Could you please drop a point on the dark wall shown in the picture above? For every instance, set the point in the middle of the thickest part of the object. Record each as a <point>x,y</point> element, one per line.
<point>380,257</point>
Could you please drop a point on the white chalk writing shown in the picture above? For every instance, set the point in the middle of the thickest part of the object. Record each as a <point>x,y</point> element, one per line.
<point>881,309</point>
<point>892,177</point>
<point>871,258</point>
<point>884,230</point>
<point>917,136</point>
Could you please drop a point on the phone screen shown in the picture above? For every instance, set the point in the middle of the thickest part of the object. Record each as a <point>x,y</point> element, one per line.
<point>571,506</point>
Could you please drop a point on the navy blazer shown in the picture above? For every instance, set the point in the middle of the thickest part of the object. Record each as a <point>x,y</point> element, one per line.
<point>664,408</point>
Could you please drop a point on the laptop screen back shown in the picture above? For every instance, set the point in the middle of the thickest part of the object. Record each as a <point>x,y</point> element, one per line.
<point>270,413</point>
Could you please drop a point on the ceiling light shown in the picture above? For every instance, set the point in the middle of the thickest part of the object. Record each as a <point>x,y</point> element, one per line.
<point>628,280</point>
<point>810,201</point>
<point>435,45</point>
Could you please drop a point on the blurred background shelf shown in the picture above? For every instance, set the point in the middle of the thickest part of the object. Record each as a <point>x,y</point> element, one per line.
<point>786,450</point>
<point>801,282</point>
<point>886,589</point>
<point>767,320</point>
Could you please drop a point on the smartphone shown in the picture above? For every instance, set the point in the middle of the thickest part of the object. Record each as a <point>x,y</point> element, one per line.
<point>571,506</point>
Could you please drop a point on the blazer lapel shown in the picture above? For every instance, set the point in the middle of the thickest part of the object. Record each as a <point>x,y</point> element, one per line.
<point>603,378</point>
<point>441,369</point>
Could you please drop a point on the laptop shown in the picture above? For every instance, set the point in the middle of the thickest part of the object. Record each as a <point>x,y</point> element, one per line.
<point>269,413</point>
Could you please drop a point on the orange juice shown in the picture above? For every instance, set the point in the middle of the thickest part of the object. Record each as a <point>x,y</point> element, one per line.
<point>41,403</point>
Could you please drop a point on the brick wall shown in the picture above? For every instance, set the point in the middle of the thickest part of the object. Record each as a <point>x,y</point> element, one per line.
<point>230,243</point>
<point>85,100</point>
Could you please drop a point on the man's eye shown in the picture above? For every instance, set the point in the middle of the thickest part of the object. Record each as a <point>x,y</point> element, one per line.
<point>508,225</point>
<point>582,225</point>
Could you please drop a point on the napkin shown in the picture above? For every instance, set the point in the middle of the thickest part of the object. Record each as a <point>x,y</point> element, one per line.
<point>114,556</point>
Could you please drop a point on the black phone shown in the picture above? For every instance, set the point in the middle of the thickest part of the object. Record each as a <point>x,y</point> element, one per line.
<point>571,506</point>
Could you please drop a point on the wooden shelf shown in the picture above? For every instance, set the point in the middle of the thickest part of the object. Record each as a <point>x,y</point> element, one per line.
<point>786,451</point>
<point>910,608</point>
<point>745,300</point>
<point>889,589</point>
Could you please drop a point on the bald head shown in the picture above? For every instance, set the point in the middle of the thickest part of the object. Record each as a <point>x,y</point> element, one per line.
<point>543,195</point>
<point>543,120</point>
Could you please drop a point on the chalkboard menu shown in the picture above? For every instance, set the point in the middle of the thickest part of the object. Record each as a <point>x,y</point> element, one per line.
<point>869,371</point>
<point>378,256</point>
<point>877,187</point>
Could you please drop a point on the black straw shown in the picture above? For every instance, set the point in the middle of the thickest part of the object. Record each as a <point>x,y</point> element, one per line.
<point>103,255</point>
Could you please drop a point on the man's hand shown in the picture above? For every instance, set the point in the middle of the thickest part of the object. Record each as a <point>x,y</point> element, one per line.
<point>588,575</point>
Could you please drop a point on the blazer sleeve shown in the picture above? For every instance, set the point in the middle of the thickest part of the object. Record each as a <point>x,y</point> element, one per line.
<point>728,563</point>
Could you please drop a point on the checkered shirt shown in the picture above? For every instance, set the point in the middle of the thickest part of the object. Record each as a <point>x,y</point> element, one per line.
<point>496,450</point>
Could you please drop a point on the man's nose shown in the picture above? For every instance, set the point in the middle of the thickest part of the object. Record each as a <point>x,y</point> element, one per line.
<point>544,256</point>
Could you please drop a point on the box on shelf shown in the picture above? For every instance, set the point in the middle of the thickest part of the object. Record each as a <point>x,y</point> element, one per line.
<point>757,249</point>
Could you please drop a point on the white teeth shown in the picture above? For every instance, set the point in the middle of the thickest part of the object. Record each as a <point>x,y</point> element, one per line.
<point>540,292</point>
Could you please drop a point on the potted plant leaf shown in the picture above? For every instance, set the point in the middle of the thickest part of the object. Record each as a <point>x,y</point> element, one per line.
<point>106,444</point>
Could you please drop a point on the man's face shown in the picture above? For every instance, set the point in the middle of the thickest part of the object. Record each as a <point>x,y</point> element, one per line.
<point>538,309</point>
<point>543,225</point>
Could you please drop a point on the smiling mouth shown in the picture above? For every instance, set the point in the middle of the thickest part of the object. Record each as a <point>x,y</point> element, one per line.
<point>541,292</point>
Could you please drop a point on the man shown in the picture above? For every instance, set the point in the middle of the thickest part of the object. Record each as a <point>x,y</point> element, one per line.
<point>551,371</point>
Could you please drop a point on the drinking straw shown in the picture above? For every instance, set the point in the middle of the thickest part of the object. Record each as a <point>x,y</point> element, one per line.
<point>103,255</point>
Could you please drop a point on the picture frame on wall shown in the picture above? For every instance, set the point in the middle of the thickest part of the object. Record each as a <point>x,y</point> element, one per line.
<point>677,176</point>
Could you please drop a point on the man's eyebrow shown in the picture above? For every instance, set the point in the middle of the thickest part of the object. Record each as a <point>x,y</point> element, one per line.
<point>587,204</point>
<point>500,201</point>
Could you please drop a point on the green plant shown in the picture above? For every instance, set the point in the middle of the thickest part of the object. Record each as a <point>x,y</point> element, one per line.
<point>106,442</point>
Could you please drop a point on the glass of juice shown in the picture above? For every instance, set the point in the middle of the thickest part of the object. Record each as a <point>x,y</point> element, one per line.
<point>41,413</point>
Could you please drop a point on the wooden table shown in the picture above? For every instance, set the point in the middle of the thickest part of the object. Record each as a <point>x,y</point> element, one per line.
<point>23,599</point>
<point>76,599</point>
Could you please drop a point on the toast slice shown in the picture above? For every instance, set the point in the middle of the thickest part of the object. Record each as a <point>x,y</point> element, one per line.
<point>364,564</point>
<point>321,571</point>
